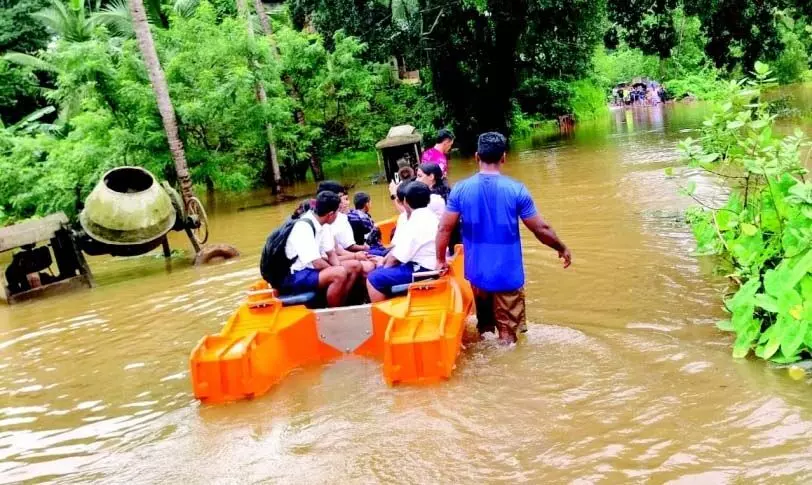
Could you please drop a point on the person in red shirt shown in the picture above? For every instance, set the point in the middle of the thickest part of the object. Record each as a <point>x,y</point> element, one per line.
<point>439,153</point>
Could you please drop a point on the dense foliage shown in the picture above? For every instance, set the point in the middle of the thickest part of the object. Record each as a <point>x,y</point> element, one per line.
<point>75,98</point>
<point>108,115</point>
<point>764,229</point>
<point>19,93</point>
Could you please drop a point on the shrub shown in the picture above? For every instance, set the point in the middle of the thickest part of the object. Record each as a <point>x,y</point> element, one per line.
<point>793,62</point>
<point>587,100</point>
<point>703,86</point>
<point>764,229</point>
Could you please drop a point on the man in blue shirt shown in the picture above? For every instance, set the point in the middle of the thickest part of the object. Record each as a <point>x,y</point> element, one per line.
<point>488,206</point>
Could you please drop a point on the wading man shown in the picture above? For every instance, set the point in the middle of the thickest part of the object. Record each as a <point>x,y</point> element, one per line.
<point>489,206</point>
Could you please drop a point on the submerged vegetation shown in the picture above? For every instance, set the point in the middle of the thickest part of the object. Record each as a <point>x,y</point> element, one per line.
<point>258,99</point>
<point>763,232</point>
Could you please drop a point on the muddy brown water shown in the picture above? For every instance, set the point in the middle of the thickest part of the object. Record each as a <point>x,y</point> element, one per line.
<point>622,377</point>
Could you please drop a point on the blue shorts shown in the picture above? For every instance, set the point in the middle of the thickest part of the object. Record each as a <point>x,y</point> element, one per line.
<point>302,281</point>
<point>383,279</point>
<point>378,251</point>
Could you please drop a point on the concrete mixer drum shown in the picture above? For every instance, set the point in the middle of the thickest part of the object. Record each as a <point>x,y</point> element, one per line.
<point>128,207</point>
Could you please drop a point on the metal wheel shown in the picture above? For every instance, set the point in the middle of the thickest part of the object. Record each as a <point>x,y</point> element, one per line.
<point>199,220</point>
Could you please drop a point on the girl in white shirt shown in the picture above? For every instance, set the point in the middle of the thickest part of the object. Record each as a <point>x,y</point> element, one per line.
<point>432,175</point>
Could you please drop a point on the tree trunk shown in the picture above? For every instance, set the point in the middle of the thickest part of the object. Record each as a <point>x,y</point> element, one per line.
<point>267,28</point>
<point>262,97</point>
<point>161,89</point>
<point>265,22</point>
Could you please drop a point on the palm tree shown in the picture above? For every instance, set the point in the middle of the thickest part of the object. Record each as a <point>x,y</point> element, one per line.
<point>267,29</point>
<point>70,21</point>
<point>116,15</point>
<point>156,76</point>
<point>262,96</point>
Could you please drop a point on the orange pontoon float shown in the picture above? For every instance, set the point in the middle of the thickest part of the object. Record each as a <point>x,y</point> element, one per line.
<point>417,336</point>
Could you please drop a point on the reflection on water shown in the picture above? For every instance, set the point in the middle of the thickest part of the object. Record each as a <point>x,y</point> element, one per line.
<point>621,378</point>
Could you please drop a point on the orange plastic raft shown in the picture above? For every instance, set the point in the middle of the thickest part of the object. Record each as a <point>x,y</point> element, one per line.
<point>417,336</point>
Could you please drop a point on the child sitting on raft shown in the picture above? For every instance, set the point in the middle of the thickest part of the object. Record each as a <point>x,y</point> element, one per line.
<point>414,247</point>
<point>363,227</point>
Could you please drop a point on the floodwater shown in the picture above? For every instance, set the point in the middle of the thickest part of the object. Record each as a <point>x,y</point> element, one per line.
<point>622,377</point>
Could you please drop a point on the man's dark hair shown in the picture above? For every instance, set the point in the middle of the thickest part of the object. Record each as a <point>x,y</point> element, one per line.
<point>401,192</point>
<point>303,208</point>
<point>332,186</point>
<point>418,195</point>
<point>360,200</point>
<point>327,202</point>
<point>491,147</point>
<point>444,135</point>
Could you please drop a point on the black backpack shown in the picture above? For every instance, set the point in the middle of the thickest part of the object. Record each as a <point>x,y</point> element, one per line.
<point>274,263</point>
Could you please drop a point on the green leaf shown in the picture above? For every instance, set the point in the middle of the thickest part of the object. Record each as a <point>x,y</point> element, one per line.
<point>766,302</point>
<point>776,337</point>
<point>735,124</point>
<point>781,358</point>
<point>801,192</point>
<point>808,337</point>
<point>778,281</point>
<point>762,68</point>
<point>806,288</point>
<point>765,138</point>
<point>793,242</point>
<point>799,269</point>
<point>745,297</point>
<point>708,157</point>
<point>749,229</point>
<point>793,338</point>
<point>669,171</point>
<point>744,340</point>
<point>758,124</point>
<point>726,220</point>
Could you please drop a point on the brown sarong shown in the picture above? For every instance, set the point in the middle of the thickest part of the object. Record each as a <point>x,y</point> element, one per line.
<point>503,311</point>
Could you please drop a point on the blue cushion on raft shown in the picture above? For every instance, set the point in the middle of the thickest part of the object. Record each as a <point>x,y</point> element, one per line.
<point>300,299</point>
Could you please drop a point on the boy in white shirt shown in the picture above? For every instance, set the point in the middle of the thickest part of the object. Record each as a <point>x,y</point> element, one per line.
<point>352,256</point>
<point>313,266</point>
<point>414,250</point>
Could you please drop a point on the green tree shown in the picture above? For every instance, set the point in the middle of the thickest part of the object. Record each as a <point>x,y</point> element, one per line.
<point>156,75</point>
<point>19,32</point>
<point>646,24</point>
<point>739,31</point>
<point>369,20</point>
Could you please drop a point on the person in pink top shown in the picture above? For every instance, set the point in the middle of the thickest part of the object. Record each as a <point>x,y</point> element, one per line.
<point>439,153</point>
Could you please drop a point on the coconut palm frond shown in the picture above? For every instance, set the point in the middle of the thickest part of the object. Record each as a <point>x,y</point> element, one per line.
<point>56,18</point>
<point>68,21</point>
<point>117,18</point>
<point>186,8</point>
<point>36,115</point>
<point>26,60</point>
<point>29,123</point>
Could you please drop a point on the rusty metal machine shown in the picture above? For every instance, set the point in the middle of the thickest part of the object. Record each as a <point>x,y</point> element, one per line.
<point>128,213</point>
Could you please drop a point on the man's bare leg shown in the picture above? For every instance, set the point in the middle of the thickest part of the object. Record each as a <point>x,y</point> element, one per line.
<point>374,295</point>
<point>354,271</point>
<point>334,279</point>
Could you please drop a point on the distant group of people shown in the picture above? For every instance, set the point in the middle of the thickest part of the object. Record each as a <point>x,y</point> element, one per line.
<point>337,250</point>
<point>648,93</point>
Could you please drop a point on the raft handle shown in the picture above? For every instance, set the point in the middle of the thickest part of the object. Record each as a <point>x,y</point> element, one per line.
<point>425,274</point>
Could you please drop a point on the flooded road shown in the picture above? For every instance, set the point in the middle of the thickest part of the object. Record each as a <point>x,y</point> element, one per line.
<point>622,377</point>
